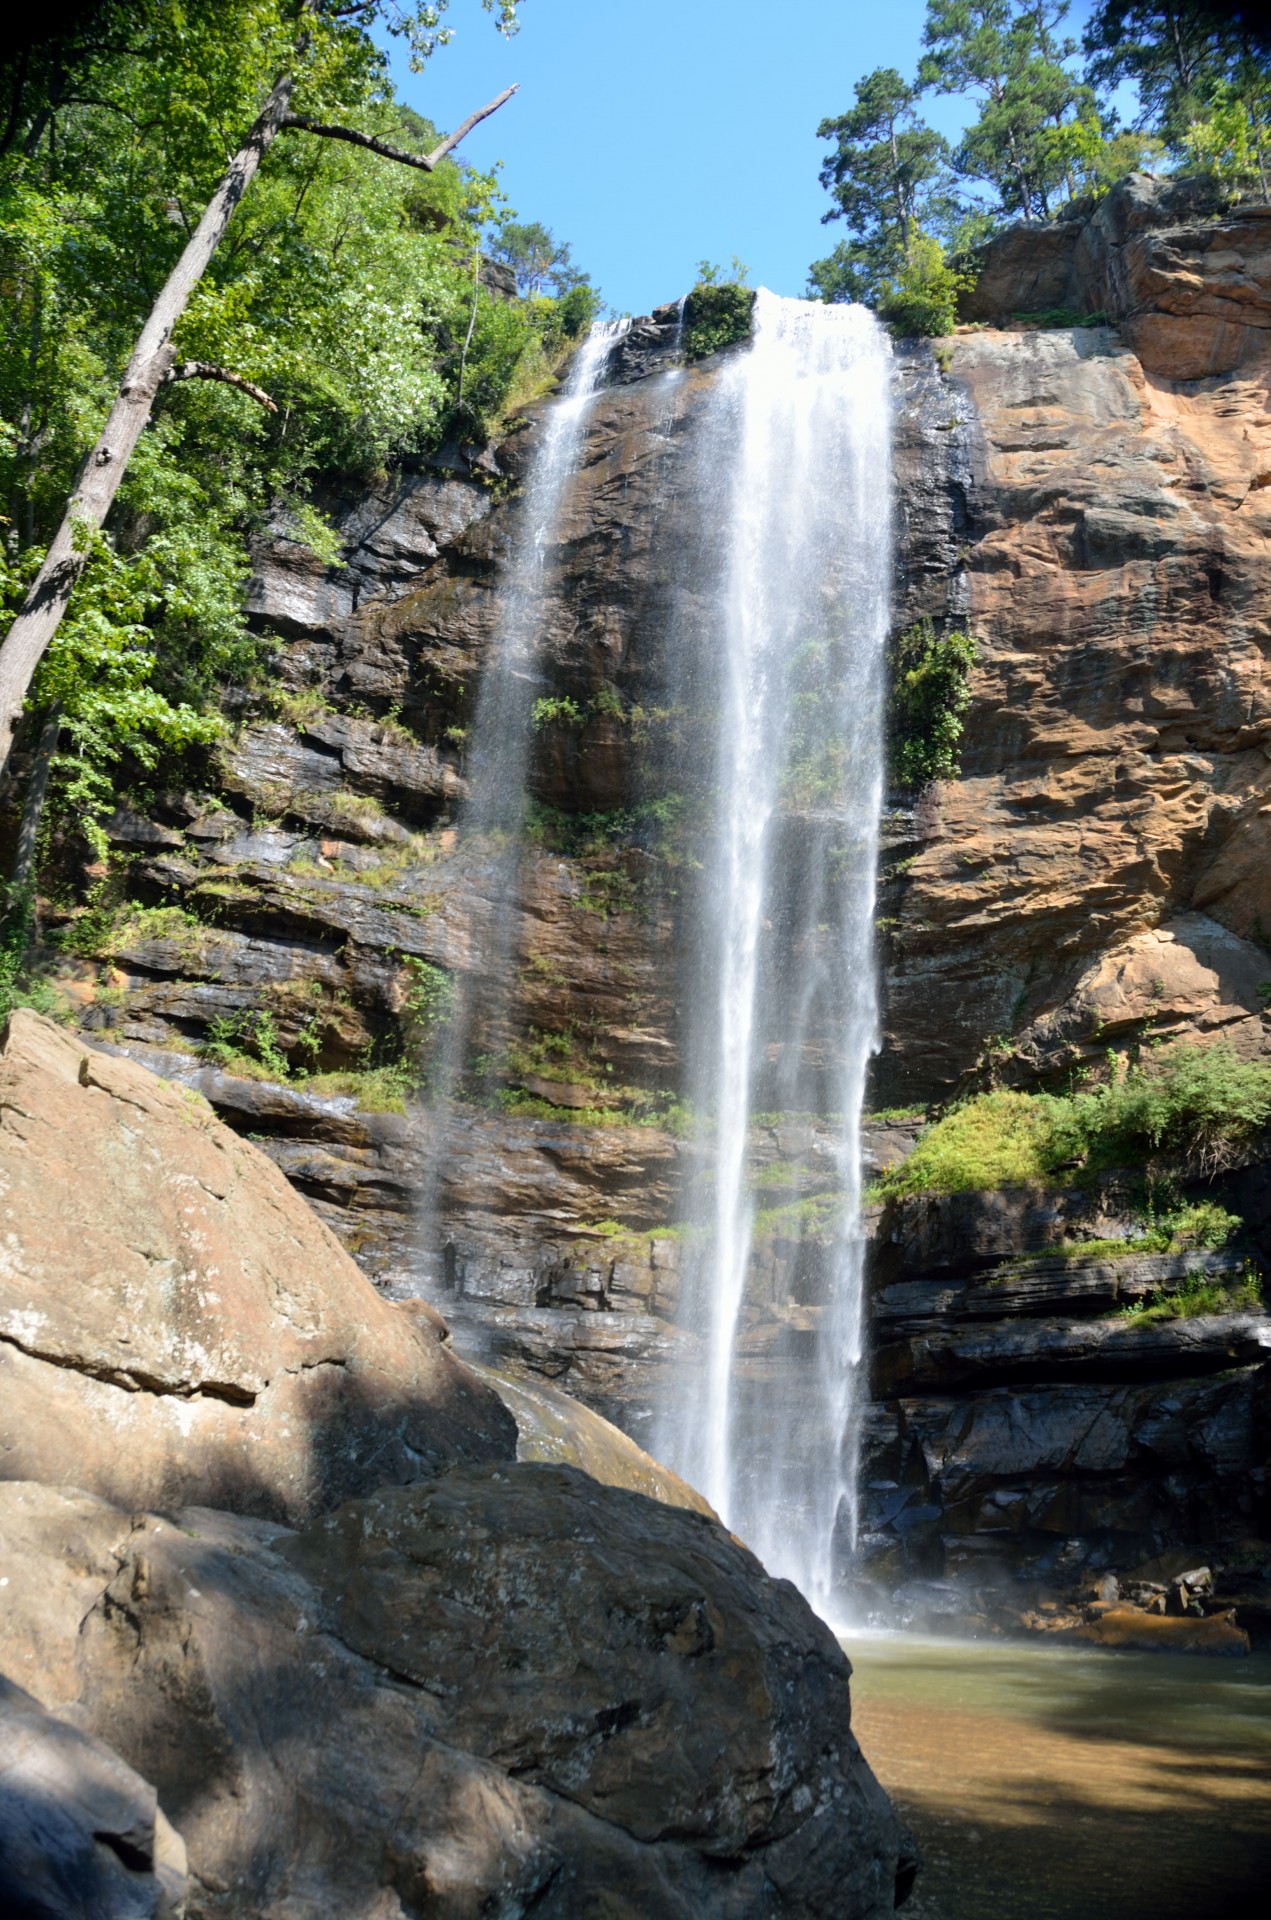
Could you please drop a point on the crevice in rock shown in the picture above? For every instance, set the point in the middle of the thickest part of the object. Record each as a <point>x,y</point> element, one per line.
<point>131,1380</point>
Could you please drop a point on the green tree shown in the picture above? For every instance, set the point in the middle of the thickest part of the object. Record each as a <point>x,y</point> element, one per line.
<point>112,218</point>
<point>1174,51</point>
<point>540,262</point>
<point>888,174</point>
<point>1004,55</point>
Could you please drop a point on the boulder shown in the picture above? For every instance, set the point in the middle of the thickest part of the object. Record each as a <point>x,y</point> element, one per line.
<point>81,1835</point>
<point>177,1325</point>
<point>507,1691</point>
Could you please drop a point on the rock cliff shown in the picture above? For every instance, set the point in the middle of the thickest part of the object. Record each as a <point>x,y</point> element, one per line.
<point>1082,481</point>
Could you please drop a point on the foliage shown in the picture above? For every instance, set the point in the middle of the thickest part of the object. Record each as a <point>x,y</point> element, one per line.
<point>921,301</point>
<point>1042,130</point>
<point>556,711</point>
<point>21,983</point>
<point>540,262</point>
<point>888,175</point>
<point>1060,317</point>
<point>1199,1105</point>
<point>929,694</point>
<point>1180,55</point>
<point>716,316</point>
<point>1199,1293</point>
<point>429,999</point>
<point>344,288</point>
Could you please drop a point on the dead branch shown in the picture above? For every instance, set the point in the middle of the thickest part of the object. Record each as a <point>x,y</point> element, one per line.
<point>427,161</point>
<point>204,370</point>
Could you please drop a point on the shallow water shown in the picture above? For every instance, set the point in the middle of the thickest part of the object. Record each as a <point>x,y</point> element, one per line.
<point>1047,1784</point>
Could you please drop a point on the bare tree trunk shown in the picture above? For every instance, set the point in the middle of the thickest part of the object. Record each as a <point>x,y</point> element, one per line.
<point>149,369</point>
<point>42,610</point>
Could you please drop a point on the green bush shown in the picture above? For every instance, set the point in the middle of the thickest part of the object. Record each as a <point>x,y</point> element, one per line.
<point>1201,1103</point>
<point>928,697</point>
<point>921,302</point>
<point>716,317</point>
<point>1198,1105</point>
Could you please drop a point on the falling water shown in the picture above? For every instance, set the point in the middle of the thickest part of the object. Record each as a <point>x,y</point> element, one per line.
<point>798,439</point>
<point>494,811</point>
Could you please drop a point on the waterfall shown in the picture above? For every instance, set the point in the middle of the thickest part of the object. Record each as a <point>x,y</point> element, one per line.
<point>794,489</point>
<point>494,810</point>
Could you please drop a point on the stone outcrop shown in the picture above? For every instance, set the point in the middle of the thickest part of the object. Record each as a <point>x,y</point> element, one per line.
<point>176,1324</point>
<point>481,1682</point>
<point>506,1689</point>
<point>81,1835</point>
<point>1186,276</point>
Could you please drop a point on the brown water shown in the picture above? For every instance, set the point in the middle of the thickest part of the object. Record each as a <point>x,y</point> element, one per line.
<point>1046,1784</point>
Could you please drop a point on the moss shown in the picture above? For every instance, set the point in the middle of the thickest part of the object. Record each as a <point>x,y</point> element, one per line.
<point>716,317</point>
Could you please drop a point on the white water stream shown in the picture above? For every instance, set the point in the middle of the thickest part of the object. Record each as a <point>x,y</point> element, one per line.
<point>494,809</point>
<point>799,444</point>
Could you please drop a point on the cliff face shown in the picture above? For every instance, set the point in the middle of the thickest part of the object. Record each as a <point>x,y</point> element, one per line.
<point>1093,502</point>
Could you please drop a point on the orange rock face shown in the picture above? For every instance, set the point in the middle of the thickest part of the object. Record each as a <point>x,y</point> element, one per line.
<point>1116,779</point>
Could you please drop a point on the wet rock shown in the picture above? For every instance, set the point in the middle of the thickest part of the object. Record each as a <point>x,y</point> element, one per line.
<point>1088,1349</point>
<point>1128,1628</point>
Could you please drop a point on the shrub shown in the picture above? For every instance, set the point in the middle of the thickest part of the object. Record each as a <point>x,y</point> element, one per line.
<point>921,302</point>
<point>1200,1105</point>
<point>928,697</point>
<point>716,317</point>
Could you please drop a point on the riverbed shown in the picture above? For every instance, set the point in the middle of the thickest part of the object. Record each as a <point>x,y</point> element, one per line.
<point>1049,1784</point>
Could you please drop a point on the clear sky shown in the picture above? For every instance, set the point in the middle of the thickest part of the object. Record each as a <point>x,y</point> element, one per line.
<point>657,133</point>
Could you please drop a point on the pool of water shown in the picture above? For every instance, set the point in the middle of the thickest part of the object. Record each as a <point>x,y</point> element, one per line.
<point>1047,1784</point>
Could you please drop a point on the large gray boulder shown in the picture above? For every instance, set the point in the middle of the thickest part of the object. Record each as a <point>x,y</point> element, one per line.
<point>506,1691</point>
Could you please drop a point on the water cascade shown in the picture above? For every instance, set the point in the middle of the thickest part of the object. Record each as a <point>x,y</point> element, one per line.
<point>795,467</point>
<point>494,810</point>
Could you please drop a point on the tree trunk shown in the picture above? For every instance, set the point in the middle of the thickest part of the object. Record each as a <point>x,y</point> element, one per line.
<point>42,610</point>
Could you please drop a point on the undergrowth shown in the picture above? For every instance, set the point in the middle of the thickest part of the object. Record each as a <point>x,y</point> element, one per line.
<point>1199,1293</point>
<point>1197,1105</point>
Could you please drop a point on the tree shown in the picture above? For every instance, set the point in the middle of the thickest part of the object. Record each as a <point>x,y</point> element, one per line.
<point>323,43</point>
<point>1201,70</point>
<point>886,173</point>
<point>540,262</point>
<point>1173,51</point>
<point>1004,54</point>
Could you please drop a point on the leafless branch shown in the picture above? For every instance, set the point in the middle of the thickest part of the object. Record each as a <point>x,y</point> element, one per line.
<point>204,370</point>
<point>427,161</point>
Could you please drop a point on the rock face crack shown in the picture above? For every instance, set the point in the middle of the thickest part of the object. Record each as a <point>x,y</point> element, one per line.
<point>133,1380</point>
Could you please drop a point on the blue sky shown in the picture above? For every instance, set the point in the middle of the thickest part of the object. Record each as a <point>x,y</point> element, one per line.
<point>654,135</point>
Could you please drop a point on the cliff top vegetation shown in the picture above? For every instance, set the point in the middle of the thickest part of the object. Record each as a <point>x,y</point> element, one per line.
<point>1045,134</point>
